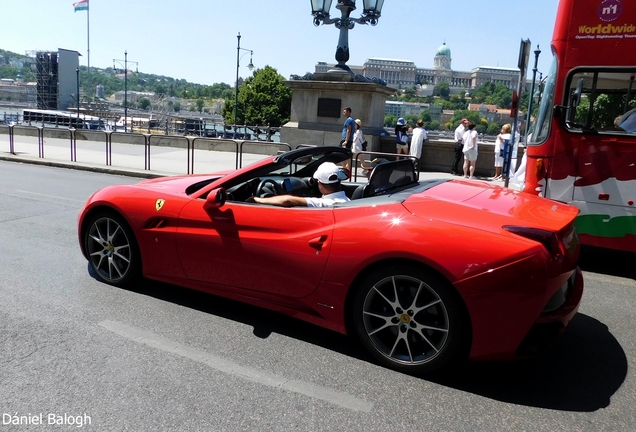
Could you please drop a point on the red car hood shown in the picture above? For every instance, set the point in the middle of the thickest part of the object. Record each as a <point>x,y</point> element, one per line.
<point>489,207</point>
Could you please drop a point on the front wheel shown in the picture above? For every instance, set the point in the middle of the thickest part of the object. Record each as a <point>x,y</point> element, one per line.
<point>409,319</point>
<point>112,250</point>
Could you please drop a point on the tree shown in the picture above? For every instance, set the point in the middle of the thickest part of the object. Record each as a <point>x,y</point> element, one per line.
<point>144,103</point>
<point>200,103</point>
<point>472,116</point>
<point>482,126</point>
<point>412,119</point>
<point>493,94</point>
<point>493,129</point>
<point>390,120</point>
<point>458,102</point>
<point>442,89</point>
<point>263,99</point>
<point>410,94</point>
<point>176,106</point>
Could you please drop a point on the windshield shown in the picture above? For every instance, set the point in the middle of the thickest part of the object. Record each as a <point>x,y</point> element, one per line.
<point>299,163</point>
<point>541,127</point>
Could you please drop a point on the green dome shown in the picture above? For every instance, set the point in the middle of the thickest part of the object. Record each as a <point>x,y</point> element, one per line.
<point>443,51</point>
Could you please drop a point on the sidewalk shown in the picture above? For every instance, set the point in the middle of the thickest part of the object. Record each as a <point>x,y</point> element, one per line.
<point>126,159</point>
<point>129,159</point>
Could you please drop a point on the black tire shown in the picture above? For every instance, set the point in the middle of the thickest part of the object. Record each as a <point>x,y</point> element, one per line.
<point>410,320</point>
<point>112,250</point>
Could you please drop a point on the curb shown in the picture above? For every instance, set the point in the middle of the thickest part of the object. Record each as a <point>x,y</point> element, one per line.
<point>128,172</point>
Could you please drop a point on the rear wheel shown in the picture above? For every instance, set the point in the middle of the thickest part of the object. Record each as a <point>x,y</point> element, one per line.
<point>112,250</point>
<point>409,319</point>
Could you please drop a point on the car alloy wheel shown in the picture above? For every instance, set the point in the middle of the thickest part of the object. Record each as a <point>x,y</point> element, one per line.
<point>407,320</point>
<point>111,250</point>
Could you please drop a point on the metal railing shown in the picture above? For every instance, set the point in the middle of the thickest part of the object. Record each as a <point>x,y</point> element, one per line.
<point>176,125</point>
<point>189,143</point>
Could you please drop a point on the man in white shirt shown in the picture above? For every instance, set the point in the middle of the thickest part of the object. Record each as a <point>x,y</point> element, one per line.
<point>328,176</point>
<point>417,140</point>
<point>459,145</point>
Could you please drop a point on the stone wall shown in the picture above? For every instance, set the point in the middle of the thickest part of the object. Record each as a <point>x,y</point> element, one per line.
<point>437,156</point>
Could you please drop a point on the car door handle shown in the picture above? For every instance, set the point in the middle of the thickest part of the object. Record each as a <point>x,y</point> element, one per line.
<point>318,242</point>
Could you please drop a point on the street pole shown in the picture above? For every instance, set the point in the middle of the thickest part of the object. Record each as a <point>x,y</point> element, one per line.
<point>238,51</point>
<point>534,79</point>
<point>250,67</point>
<point>125,91</point>
<point>125,85</point>
<point>78,97</point>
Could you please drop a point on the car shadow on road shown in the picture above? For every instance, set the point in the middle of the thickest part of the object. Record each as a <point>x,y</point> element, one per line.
<point>581,373</point>
<point>608,261</point>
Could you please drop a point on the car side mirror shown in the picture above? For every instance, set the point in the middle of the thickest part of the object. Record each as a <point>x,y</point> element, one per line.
<point>215,199</point>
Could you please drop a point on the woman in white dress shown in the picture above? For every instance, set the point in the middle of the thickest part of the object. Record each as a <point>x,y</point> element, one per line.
<point>470,150</point>
<point>358,142</point>
<point>499,146</point>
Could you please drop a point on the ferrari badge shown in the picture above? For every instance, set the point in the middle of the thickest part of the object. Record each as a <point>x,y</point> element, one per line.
<point>159,204</point>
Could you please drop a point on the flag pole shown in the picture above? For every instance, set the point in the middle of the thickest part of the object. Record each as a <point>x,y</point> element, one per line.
<point>88,37</point>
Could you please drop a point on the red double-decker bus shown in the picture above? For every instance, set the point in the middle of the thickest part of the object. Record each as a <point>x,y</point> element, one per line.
<point>582,147</point>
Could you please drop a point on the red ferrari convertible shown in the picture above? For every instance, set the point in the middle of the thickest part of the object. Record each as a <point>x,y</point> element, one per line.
<point>424,273</point>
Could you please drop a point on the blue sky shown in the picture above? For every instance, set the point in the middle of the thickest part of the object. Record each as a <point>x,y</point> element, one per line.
<point>196,39</point>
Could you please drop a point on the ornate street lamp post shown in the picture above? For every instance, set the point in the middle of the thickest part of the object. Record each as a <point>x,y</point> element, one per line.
<point>370,15</point>
<point>249,66</point>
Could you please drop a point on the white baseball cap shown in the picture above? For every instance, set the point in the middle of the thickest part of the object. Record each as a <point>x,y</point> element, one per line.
<point>329,172</point>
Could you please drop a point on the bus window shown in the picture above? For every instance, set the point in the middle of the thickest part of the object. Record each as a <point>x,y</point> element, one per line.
<point>606,98</point>
<point>541,128</point>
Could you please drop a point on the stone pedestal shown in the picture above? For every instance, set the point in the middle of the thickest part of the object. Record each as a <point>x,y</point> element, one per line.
<point>316,111</point>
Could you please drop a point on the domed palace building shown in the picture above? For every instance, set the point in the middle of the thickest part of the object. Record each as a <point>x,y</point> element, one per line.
<point>405,74</point>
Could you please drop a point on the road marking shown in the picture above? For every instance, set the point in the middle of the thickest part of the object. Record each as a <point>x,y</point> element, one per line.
<point>308,389</point>
<point>50,196</point>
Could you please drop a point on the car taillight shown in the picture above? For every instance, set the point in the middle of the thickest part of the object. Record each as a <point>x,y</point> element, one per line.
<point>548,239</point>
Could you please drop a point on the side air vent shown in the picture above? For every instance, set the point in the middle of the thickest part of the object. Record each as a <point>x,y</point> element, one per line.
<point>156,223</point>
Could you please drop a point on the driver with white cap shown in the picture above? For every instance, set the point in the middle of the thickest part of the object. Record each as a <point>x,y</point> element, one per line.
<point>328,176</point>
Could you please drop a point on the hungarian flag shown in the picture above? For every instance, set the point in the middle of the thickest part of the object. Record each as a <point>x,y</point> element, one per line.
<point>81,5</point>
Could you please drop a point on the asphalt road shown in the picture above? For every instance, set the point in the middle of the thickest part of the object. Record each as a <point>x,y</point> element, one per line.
<point>162,358</point>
